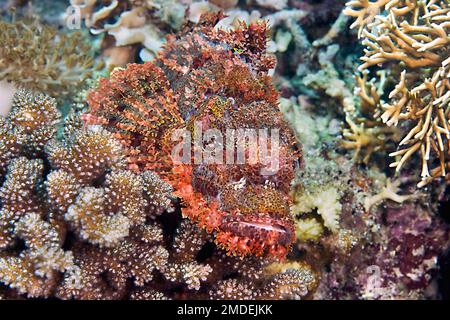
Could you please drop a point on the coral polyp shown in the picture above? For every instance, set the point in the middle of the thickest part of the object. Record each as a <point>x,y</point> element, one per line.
<point>219,81</point>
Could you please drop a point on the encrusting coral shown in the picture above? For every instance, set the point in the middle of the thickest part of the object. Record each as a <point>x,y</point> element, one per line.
<point>39,57</point>
<point>411,39</point>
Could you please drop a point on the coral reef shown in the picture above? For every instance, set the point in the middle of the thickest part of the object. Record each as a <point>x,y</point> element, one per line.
<point>125,188</point>
<point>346,217</point>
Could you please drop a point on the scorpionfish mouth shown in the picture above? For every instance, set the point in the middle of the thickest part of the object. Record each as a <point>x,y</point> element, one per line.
<point>260,227</point>
<point>256,233</point>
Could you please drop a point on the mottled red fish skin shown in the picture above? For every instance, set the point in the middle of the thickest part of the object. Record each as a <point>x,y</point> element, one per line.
<point>219,79</point>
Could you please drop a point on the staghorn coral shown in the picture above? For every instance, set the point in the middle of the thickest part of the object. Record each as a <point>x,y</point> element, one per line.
<point>216,79</point>
<point>365,11</point>
<point>412,40</point>
<point>41,58</point>
<point>365,132</point>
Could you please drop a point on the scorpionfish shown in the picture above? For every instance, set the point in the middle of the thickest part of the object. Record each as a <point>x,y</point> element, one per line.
<point>218,80</point>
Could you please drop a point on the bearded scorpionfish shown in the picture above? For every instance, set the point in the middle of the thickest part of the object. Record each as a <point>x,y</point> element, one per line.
<point>209,80</point>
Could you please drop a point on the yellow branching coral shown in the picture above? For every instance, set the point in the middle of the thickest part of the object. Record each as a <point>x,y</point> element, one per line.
<point>414,37</point>
<point>366,134</point>
<point>388,192</point>
<point>41,58</point>
<point>362,140</point>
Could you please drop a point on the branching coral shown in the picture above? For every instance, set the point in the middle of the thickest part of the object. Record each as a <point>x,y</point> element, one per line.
<point>415,36</point>
<point>41,58</point>
<point>174,271</point>
<point>86,197</point>
<point>27,127</point>
<point>35,270</point>
<point>366,134</point>
<point>292,284</point>
<point>100,215</point>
